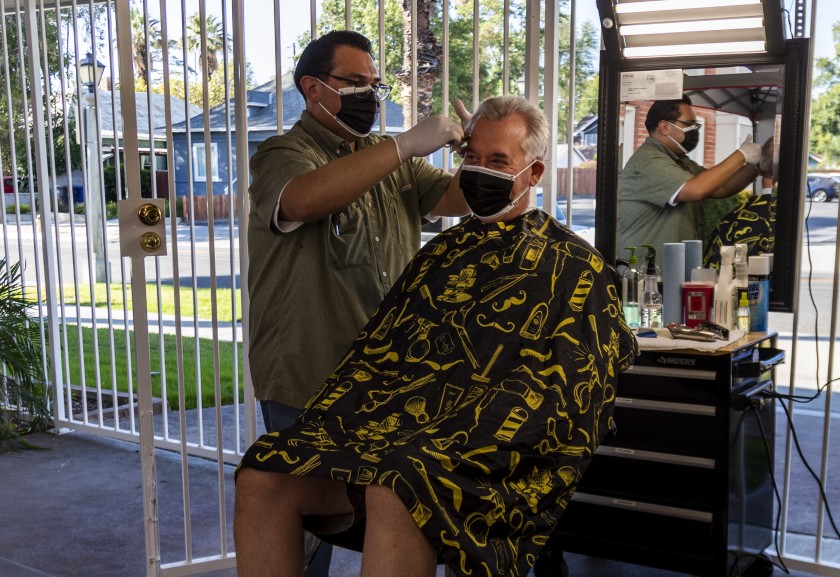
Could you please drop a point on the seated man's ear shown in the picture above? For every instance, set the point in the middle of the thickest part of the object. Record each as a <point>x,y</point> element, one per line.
<point>536,172</point>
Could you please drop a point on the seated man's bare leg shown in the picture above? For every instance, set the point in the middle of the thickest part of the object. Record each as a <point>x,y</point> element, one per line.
<point>394,544</point>
<point>268,519</point>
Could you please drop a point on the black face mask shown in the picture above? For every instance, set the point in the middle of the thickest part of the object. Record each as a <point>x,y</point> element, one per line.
<point>487,191</point>
<point>692,137</point>
<point>358,109</point>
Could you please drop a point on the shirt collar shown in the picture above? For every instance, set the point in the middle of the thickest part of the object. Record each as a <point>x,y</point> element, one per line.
<point>328,139</point>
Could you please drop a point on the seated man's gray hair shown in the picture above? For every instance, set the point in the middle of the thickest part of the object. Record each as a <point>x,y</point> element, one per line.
<point>500,107</point>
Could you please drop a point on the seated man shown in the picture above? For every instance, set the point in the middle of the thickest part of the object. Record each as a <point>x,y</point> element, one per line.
<point>460,422</point>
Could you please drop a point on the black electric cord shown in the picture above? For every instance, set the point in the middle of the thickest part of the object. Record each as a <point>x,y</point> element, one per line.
<point>810,470</point>
<point>781,564</point>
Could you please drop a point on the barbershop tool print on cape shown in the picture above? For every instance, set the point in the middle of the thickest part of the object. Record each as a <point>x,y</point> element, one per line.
<point>478,391</point>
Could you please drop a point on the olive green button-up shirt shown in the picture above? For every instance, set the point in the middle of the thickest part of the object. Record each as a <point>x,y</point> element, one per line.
<point>649,181</point>
<point>314,287</point>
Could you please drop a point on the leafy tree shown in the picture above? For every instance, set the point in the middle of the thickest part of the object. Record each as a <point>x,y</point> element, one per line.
<point>397,68</point>
<point>825,109</point>
<point>14,120</point>
<point>215,86</point>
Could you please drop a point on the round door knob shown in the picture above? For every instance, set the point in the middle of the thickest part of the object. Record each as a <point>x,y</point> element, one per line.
<point>149,214</point>
<point>150,241</point>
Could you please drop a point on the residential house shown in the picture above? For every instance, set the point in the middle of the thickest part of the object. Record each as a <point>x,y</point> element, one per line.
<point>189,144</point>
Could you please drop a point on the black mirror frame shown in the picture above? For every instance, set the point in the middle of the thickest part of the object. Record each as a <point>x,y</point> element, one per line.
<point>793,148</point>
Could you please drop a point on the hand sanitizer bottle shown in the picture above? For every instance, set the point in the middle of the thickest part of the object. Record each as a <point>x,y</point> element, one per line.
<point>630,281</point>
<point>651,298</point>
<point>743,317</point>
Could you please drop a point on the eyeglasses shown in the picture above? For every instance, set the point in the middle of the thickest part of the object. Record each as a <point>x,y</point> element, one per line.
<point>690,124</point>
<point>381,91</point>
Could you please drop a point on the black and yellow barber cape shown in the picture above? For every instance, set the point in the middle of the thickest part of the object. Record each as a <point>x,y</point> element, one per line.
<point>752,222</point>
<point>478,391</point>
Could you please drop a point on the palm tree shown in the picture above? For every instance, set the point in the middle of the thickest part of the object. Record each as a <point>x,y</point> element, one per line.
<point>217,41</point>
<point>429,58</point>
<point>22,392</point>
<point>139,47</point>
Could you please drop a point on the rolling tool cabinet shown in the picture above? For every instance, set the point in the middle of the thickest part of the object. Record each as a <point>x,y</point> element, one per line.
<point>685,483</point>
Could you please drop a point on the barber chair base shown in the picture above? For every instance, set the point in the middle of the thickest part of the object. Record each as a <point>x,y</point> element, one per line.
<point>550,563</point>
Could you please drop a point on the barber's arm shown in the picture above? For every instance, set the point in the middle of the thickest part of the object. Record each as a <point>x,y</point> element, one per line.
<point>312,196</point>
<point>452,202</point>
<point>729,177</point>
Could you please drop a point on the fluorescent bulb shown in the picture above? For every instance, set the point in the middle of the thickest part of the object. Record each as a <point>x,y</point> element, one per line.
<point>694,49</point>
<point>691,26</point>
<point>668,5</point>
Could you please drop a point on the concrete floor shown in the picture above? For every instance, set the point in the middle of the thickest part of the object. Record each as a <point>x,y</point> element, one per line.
<point>75,509</point>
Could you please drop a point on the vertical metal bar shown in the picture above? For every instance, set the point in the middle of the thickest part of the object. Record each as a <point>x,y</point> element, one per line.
<point>413,48</point>
<point>60,411</point>
<point>138,290</point>
<point>532,50</point>
<point>570,124</point>
<point>40,150</point>
<point>795,334</point>
<point>383,116</point>
<point>278,65</point>
<point>241,117</point>
<point>506,48</point>
<point>176,286</point>
<point>551,74</point>
<point>217,381</point>
<point>476,57</point>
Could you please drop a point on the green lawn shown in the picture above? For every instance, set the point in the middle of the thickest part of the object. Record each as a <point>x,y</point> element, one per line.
<point>204,361</point>
<point>203,297</point>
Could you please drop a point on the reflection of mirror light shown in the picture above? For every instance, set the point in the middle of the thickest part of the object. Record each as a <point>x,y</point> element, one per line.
<point>694,49</point>
<point>626,6</point>
<point>692,26</point>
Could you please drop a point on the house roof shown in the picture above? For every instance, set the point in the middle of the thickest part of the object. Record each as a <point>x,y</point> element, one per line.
<point>156,103</point>
<point>586,124</point>
<point>262,105</point>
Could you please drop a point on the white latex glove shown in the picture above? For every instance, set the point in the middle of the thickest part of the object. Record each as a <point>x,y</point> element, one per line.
<point>427,137</point>
<point>462,112</point>
<point>750,150</point>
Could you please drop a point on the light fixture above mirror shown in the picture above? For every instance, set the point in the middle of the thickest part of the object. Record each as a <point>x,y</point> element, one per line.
<point>662,29</point>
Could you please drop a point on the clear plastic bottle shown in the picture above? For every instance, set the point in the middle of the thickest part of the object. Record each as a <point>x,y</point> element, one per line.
<point>651,297</point>
<point>630,282</point>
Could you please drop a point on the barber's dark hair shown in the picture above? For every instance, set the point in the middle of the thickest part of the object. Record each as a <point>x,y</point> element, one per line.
<point>317,58</point>
<point>664,110</point>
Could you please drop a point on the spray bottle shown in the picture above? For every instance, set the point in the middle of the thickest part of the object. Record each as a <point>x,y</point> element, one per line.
<point>630,281</point>
<point>724,307</point>
<point>651,297</point>
<point>650,248</point>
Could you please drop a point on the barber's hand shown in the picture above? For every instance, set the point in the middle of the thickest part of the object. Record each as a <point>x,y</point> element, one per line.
<point>462,112</point>
<point>750,150</point>
<point>427,137</point>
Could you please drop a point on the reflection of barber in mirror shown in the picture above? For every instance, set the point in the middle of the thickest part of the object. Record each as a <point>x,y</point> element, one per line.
<point>753,220</point>
<point>661,189</point>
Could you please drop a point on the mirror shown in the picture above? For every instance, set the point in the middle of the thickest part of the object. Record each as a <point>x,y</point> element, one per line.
<point>763,95</point>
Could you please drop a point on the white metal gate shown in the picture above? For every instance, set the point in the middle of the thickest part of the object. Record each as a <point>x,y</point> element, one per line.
<point>150,348</point>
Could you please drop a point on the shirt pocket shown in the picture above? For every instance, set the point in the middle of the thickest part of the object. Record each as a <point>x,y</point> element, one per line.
<point>347,238</point>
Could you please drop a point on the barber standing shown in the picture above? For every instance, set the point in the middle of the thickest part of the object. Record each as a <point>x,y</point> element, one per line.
<point>661,190</point>
<point>335,216</point>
